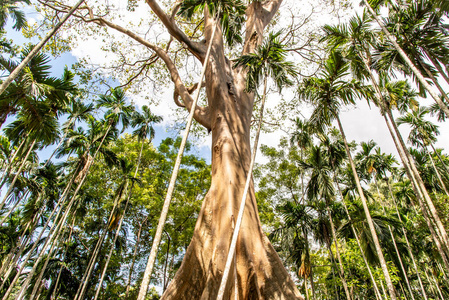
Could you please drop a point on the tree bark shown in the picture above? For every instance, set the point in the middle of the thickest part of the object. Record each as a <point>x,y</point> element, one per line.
<point>259,269</point>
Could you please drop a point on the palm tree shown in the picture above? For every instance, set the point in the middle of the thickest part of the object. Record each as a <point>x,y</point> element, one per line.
<point>421,34</point>
<point>77,110</point>
<point>17,70</point>
<point>87,145</point>
<point>359,41</point>
<point>326,92</point>
<point>320,187</point>
<point>118,111</point>
<point>407,60</point>
<point>423,134</point>
<point>118,216</point>
<point>143,121</point>
<point>10,8</point>
<point>303,138</point>
<point>383,164</point>
<point>372,164</point>
<point>296,238</point>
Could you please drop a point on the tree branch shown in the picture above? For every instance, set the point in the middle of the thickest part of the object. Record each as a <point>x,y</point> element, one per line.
<point>270,9</point>
<point>202,114</point>
<point>258,16</point>
<point>197,49</point>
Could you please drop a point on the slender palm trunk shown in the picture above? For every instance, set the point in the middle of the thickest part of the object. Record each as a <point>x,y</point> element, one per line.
<point>406,159</point>
<point>37,48</point>
<point>56,149</point>
<point>52,238</point>
<point>14,207</point>
<point>438,66</point>
<point>434,285</point>
<point>438,287</point>
<point>308,276</point>
<point>331,256</point>
<point>435,81</point>
<point>383,263</point>
<point>120,225</point>
<point>85,282</point>
<point>131,268</point>
<point>18,255</point>
<point>408,244</point>
<point>112,249</point>
<point>383,289</point>
<point>305,288</point>
<point>376,289</point>
<point>55,287</point>
<point>440,179</point>
<point>11,186</point>
<point>443,272</point>
<point>6,295</point>
<point>11,162</point>
<point>417,190</point>
<point>337,250</point>
<point>11,255</point>
<point>440,158</point>
<point>52,229</point>
<point>404,56</point>
<point>393,238</point>
<point>39,282</point>
<point>414,171</point>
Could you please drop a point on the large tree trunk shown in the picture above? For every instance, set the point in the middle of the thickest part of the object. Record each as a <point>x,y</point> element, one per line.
<point>260,273</point>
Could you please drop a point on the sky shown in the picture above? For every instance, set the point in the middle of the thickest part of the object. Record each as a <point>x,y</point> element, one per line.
<point>360,122</point>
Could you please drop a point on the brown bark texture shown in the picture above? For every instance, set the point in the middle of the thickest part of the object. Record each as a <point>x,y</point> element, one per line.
<point>259,272</point>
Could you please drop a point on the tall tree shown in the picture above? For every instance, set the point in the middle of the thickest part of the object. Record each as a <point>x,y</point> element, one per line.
<point>328,93</point>
<point>227,115</point>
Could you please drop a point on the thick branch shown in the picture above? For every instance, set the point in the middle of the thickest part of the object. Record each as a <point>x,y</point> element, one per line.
<point>197,49</point>
<point>258,16</point>
<point>201,113</point>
